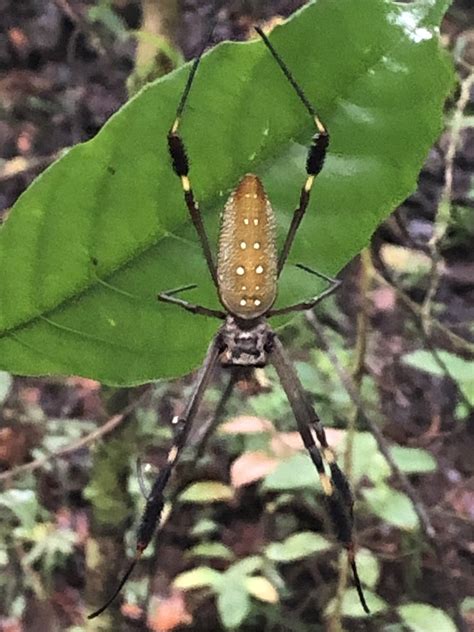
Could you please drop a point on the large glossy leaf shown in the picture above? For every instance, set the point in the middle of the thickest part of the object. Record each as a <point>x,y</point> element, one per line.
<point>88,246</point>
<point>297,546</point>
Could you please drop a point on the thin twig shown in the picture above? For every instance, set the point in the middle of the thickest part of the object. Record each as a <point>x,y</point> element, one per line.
<point>418,320</point>
<point>443,211</point>
<point>458,343</point>
<point>93,436</point>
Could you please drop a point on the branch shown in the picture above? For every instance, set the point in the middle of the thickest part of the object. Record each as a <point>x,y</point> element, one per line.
<point>443,211</point>
<point>93,436</point>
<point>418,319</point>
<point>459,344</point>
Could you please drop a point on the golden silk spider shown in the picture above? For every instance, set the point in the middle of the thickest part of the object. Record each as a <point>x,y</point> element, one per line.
<point>245,276</point>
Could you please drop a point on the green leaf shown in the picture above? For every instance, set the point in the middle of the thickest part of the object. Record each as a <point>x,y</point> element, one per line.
<point>51,546</point>
<point>351,606</point>
<point>413,460</point>
<point>206,492</point>
<point>459,369</point>
<point>204,527</point>
<point>244,567</point>
<point>6,382</point>
<point>421,617</point>
<point>200,577</point>
<point>297,546</point>
<point>365,450</point>
<point>261,588</point>
<point>23,504</point>
<point>233,604</point>
<point>104,15</point>
<point>86,249</point>
<point>392,506</point>
<point>467,605</point>
<point>297,472</point>
<point>211,549</point>
<point>368,567</point>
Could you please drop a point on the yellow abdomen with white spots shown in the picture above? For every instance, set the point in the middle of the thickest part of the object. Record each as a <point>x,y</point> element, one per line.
<point>247,265</point>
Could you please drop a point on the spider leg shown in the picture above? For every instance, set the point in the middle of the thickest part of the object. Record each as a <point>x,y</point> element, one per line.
<point>180,163</point>
<point>337,492</point>
<point>310,302</point>
<point>314,160</point>
<point>141,480</point>
<point>208,428</point>
<point>169,297</point>
<point>155,500</point>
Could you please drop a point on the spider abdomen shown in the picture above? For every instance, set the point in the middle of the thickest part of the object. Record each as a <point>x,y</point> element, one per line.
<point>247,264</point>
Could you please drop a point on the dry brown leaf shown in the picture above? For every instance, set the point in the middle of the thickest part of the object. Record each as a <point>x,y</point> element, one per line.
<point>251,467</point>
<point>284,444</point>
<point>246,424</point>
<point>132,611</point>
<point>335,437</point>
<point>384,299</point>
<point>169,613</point>
<point>84,383</point>
<point>10,625</point>
<point>17,38</point>
<point>14,446</point>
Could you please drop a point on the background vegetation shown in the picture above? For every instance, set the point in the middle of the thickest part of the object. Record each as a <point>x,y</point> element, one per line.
<point>92,241</point>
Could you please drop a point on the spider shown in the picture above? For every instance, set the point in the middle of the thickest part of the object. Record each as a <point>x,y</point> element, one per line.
<point>245,276</point>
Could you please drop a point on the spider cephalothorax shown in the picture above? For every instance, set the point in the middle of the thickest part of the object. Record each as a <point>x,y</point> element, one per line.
<point>245,343</point>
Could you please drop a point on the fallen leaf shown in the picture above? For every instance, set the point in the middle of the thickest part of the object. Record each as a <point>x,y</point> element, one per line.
<point>246,424</point>
<point>132,611</point>
<point>17,38</point>
<point>284,444</point>
<point>10,625</point>
<point>168,613</point>
<point>251,467</point>
<point>384,299</point>
<point>206,492</point>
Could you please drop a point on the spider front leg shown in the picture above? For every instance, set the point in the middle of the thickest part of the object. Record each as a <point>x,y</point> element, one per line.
<point>155,501</point>
<point>309,303</point>
<point>337,492</point>
<point>180,163</point>
<point>314,160</point>
<point>169,297</point>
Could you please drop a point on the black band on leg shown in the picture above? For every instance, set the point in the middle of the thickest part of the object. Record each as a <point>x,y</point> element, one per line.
<point>317,153</point>
<point>178,154</point>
